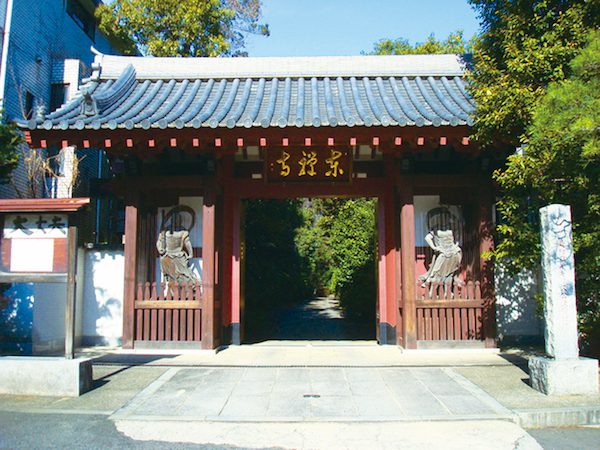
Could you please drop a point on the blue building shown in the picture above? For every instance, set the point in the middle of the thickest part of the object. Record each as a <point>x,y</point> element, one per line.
<point>46,52</point>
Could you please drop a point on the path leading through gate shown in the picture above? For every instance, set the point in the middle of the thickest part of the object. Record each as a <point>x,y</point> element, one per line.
<point>316,319</point>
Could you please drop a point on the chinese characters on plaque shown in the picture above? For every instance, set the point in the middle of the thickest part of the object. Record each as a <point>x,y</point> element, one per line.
<point>35,243</point>
<point>310,164</point>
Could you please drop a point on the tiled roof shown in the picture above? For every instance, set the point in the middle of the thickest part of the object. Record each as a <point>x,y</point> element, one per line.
<point>143,93</point>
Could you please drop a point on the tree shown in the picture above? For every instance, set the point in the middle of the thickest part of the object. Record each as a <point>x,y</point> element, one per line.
<point>338,241</point>
<point>353,245</point>
<point>560,163</point>
<point>525,45</point>
<point>453,44</point>
<point>181,27</point>
<point>10,139</point>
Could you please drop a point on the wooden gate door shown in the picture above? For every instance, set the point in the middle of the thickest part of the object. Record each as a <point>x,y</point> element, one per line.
<point>167,313</point>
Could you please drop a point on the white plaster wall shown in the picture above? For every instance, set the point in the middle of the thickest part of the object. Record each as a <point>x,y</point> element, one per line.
<point>515,303</point>
<point>103,298</point>
<point>79,296</point>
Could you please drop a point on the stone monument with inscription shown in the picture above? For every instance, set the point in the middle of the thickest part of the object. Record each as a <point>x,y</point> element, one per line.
<point>562,372</point>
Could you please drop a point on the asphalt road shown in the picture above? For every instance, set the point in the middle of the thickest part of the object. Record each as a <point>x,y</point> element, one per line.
<point>75,431</point>
<point>571,438</point>
<point>20,430</point>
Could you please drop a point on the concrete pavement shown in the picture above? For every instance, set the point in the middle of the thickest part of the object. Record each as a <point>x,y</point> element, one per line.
<point>319,395</point>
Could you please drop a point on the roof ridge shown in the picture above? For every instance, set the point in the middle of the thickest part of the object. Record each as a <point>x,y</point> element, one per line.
<point>282,67</point>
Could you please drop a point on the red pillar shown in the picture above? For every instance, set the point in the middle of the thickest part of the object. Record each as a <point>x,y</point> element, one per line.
<point>408,258</point>
<point>236,275</point>
<point>131,232</point>
<point>382,318</point>
<point>208,265</point>
<point>387,268</point>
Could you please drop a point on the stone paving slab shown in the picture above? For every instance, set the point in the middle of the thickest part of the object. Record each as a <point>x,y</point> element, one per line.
<point>348,435</point>
<point>311,394</point>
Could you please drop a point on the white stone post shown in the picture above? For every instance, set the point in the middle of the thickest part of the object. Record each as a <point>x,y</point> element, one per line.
<point>562,372</point>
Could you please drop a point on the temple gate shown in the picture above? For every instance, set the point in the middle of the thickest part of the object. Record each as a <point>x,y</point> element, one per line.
<point>189,139</point>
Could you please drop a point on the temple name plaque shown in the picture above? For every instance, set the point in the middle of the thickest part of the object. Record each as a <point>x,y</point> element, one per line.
<point>309,164</point>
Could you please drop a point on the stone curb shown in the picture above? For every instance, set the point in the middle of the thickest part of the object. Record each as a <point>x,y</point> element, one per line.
<point>558,417</point>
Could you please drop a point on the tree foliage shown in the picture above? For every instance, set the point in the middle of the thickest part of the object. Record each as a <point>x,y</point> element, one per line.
<point>10,139</point>
<point>560,163</point>
<point>455,43</point>
<point>526,44</point>
<point>181,27</point>
<point>354,257</point>
<point>535,84</point>
<point>338,241</point>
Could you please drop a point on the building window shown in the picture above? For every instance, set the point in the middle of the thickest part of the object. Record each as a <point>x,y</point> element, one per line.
<point>28,106</point>
<point>82,17</point>
<point>58,95</point>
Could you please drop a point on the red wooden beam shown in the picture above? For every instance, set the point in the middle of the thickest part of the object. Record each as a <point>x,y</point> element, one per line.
<point>64,144</point>
<point>263,142</point>
<point>173,142</point>
<point>375,140</point>
<point>443,140</point>
<point>42,204</point>
<point>107,143</point>
<point>285,142</point>
<point>218,142</point>
<point>331,141</point>
<point>86,143</point>
<point>420,140</point>
<point>240,142</point>
<point>307,142</point>
<point>151,143</point>
<point>129,143</point>
<point>43,143</point>
<point>353,141</point>
<point>398,141</point>
<point>465,141</point>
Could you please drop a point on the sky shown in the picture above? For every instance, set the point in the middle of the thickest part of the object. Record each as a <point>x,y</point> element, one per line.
<point>350,27</point>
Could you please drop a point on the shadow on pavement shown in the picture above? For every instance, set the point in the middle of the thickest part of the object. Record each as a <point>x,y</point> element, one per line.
<point>319,318</point>
<point>129,360</point>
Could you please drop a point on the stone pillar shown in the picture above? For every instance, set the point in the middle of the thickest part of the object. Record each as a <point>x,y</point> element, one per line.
<point>563,372</point>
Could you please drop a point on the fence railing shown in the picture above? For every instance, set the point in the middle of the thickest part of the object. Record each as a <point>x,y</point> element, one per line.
<point>448,312</point>
<point>168,312</point>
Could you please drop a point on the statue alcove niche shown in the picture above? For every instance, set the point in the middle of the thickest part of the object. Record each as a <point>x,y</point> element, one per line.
<point>443,228</point>
<point>175,247</point>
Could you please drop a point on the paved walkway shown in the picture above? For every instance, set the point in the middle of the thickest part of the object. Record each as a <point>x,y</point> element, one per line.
<point>313,395</point>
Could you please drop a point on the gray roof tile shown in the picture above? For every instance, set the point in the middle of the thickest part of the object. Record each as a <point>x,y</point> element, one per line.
<point>133,92</point>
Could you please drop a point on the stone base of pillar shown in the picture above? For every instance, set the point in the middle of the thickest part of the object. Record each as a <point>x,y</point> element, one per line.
<point>557,377</point>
